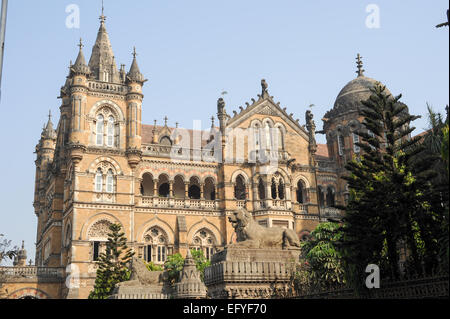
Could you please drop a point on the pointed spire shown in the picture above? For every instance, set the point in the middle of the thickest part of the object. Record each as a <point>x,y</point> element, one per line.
<point>102,63</point>
<point>80,63</point>
<point>359,65</point>
<point>48,131</point>
<point>135,74</point>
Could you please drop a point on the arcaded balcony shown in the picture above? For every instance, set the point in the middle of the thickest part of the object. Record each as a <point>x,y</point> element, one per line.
<point>178,192</point>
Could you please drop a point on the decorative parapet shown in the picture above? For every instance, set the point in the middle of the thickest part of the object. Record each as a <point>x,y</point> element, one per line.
<point>32,274</point>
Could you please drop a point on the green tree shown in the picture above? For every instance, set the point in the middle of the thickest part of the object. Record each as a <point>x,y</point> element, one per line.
<point>388,212</point>
<point>151,266</point>
<point>174,264</point>
<point>321,259</point>
<point>112,264</point>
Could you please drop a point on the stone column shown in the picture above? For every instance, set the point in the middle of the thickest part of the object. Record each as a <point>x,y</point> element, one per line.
<point>155,187</point>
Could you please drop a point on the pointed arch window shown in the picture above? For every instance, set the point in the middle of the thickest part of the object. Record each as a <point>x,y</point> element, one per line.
<point>239,188</point>
<point>261,190</point>
<point>274,189</point>
<point>280,189</point>
<point>99,181</point>
<point>280,139</point>
<point>356,148</point>
<point>340,144</point>
<point>268,136</point>
<point>99,129</point>
<point>110,132</point>
<point>110,181</point>
<point>301,192</point>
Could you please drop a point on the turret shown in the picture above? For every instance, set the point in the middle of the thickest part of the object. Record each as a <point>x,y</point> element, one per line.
<point>135,80</point>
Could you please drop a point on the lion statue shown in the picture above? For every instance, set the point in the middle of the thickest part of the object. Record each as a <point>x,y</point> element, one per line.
<point>252,235</point>
<point>141,276</point>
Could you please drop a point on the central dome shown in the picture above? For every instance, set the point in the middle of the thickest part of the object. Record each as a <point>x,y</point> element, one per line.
<point>355,91</point>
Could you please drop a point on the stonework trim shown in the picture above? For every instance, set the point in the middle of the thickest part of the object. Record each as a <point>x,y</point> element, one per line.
<point>29,292</point>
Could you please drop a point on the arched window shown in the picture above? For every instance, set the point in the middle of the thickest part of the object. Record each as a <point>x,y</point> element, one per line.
<point>99,180</point>
<point>268,136</point>
<point>256,137</point>
<point>280,189</point>
<point>110,137</point>
<point>261,190</point>
<point>165,140</point>
<point>330,197</point>
<point>205,241</point>
<point>340,144</point>
<point>110,181</point>
<point>274,189</point>
<point>356,148</point>
<point>194,188</point>
<point>99,129</point>
<point>239,188</point>
<point>147,185</point>
<point>156,248</point>
<point>280,139</point>
<point>301,192</point>
<point>321,197</point>
<point>163,186</point>
<point>209,189</point>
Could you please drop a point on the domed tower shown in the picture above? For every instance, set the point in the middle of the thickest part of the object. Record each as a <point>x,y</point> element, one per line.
<point>341,123</point>
<point>344,119</point>
<point>20,260</point>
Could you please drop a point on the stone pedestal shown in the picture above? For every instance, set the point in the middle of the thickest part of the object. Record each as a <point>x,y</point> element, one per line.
<point>142,292</point>
<point>155,287</point>
<point>251,273</point>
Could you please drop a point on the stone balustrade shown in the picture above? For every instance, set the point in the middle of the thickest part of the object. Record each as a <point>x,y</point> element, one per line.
<point>153,201</point>
<point>242,271</point>
<point>32,271</point>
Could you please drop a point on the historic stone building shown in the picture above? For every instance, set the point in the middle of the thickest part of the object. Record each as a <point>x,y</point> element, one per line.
<point>172,189</point>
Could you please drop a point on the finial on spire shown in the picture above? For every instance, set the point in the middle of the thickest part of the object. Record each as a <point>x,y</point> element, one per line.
<point>134,52</point>
<point>49,115</point>
<point>102,17</point>
<point>176,124</point>
<point>81,44</point>
<point>359,64</point>
<point>212,121</point>
<point>165,120</point>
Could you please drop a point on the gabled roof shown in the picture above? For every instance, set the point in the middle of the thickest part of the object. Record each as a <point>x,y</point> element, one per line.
<point>266,105</point>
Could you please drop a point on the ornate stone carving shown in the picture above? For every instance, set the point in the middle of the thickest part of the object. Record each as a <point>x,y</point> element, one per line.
<point>99,229</point>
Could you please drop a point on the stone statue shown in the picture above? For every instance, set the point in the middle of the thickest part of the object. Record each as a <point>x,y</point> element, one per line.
<point>141,276</point>
<point>252,235</point>
<point>221,106</point>
<point>264,87</point>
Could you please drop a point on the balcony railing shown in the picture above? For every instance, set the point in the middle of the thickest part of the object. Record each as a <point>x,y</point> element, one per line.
<point>32,271</point>
<point>153,201</point>
<point>331,212</point>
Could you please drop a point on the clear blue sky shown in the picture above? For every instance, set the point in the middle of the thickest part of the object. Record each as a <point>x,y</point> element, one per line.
<point>192,50</point>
